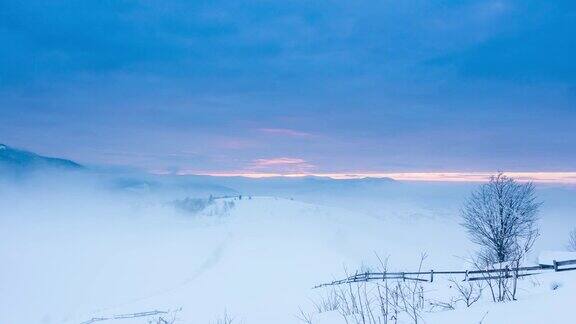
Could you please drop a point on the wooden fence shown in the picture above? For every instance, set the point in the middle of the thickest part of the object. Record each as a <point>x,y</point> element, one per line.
<point>125,316</point>
<point>469,275</point>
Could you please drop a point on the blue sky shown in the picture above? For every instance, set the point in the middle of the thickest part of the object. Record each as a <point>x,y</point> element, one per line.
<point>292,86</point>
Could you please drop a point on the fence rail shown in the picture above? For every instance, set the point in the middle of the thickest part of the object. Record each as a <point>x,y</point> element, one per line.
<point>469,275</point>
<point>125,316</point>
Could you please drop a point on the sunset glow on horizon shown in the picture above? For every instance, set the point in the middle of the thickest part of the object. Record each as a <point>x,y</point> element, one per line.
<point>537,177</point>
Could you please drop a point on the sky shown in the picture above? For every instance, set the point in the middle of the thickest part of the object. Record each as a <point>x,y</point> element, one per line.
<point>292,87</point>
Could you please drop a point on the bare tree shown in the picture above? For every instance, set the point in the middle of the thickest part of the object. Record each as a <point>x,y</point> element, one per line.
<point>572,241</point>
<point>501,218</point>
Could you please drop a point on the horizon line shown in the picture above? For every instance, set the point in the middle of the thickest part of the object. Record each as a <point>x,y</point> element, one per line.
<point>523,176</point>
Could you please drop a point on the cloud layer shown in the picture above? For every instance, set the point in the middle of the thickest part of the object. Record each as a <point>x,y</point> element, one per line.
<point>214,86</point>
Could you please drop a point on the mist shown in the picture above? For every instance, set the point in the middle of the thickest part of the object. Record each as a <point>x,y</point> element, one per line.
<point>81,245</point>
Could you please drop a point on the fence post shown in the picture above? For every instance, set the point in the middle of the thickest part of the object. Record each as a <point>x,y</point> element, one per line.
<point>555,265</point>
<point>431,275</point>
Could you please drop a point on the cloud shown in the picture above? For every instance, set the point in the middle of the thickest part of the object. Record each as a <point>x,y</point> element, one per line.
<point>534,45</point>
<point>284,132</point>
<point>281,164</point>
<point>278,161</point>
<point>402,84</point>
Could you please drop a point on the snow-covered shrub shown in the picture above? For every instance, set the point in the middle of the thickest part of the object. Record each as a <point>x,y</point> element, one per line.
<point>328,302</point>
<point>469,292</point>
<point>205,206</point>
<point>364,268</point>
<point>389,301</point>
<point>162,320</point>
<point>304,317</point>
<point>225,319</point>
<point>443,305</point>
<point>193,205</point>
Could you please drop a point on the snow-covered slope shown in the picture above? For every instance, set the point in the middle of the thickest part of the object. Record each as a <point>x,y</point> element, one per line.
<point>14,160</point>
<point>72,253</point>
<point>258,261</point>
<point>549,298</point>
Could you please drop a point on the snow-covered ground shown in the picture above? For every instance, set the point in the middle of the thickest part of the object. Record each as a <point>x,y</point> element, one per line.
<point>548,298</point>
<point>73,252</point>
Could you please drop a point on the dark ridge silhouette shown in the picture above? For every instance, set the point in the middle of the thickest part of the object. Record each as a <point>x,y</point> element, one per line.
<point>20,160</point>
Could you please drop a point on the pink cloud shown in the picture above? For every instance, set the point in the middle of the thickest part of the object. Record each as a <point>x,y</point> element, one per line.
<point>281,164</point>
<point>284,132</point>
<point>278,161</point>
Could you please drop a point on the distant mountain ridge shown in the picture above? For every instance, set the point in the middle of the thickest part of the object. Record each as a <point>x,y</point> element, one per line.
<point>20,160</point>
<point>17,163</point>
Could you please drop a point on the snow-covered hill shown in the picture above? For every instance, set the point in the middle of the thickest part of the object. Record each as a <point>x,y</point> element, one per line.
<point>13,160</point>
<point>73,253</point>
